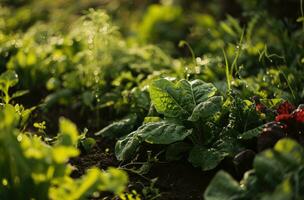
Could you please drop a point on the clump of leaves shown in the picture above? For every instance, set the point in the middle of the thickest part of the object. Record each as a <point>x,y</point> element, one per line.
<point>31,169</point>
<point>192,119</point>
<point>277,174</point>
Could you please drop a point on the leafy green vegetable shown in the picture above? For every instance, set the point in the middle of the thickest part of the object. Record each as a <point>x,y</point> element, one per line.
<point>180,99</point>
<point>163,132</point>
<point>155,133</point>
<point>206,109</point>
<point>277,173</point>
<point>189,110</point>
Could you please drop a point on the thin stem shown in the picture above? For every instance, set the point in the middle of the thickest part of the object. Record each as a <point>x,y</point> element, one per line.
<point>227,70</point>
<point>288,84</point>
<point>239,49</point>
<point>134,172</point>
<point>302,12</point>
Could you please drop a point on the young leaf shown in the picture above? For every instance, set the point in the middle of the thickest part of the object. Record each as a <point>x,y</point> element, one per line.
<point>19,93</point>
<point>88,143</point>
<point>68,135</point>
<point>8,79</point>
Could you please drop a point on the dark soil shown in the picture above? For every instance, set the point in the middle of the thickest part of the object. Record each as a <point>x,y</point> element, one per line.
<point>176,180</point>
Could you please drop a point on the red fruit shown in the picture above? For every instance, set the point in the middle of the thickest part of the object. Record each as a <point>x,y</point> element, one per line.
<point>299,115</point>
<point>285,108</point>
<point>283,118</point>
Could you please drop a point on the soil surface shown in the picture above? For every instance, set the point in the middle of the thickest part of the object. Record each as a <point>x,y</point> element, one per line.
<point>175,180</point>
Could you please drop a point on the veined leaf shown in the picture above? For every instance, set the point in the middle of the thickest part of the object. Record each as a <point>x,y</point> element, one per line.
<point>167,99</point>
<point>206,109</point>
<point>163,132</point>
<point>178,100</point>
<point>201,90</point>
<point>155,132</point>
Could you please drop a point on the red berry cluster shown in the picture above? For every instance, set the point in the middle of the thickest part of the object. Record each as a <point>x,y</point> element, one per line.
<point>288,115</point>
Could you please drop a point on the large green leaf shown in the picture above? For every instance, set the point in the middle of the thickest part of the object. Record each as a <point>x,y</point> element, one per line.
<point>167,99</point>
<point>251,133</point>
<point>127,146</point>
<point>223,187</point>
<point>201,90</point>
<point>119,128</point>
<point>207,109</point>
<point>195,92</point>
<point>178,100</point>
<point>163,132</point>
<point>206,158</point>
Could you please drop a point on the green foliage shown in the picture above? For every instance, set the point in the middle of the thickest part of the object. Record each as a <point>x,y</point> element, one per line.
<point>277,174</point>
<point>157,20</point>
<point>101,69</point>
<point>32,169</point>
<point>179,100</point>
<point>9,79</point>
<point>189,111</point>
<point>119,128</point>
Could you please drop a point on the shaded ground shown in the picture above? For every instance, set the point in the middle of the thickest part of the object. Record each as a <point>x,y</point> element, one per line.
<point>176,180</point>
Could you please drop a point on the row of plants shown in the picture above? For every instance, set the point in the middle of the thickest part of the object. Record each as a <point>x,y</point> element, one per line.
<point>35,168</point>
<point>226,104</point>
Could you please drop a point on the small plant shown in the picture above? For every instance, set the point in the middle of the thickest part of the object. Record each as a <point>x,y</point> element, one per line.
<point>31,169</point>
<point>9,79</point>
<point>277,174</point>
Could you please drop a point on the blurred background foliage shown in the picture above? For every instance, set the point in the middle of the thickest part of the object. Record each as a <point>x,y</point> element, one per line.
<point>97,55</point>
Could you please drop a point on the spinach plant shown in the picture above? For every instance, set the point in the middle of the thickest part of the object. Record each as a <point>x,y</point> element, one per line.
<point>191,118</point>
